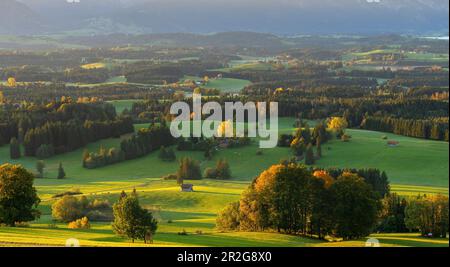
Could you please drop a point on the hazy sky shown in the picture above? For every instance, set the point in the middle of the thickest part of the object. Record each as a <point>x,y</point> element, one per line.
<point>278,16</point>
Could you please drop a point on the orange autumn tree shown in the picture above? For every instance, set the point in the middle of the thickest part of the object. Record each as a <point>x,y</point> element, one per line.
<point>325,176</point>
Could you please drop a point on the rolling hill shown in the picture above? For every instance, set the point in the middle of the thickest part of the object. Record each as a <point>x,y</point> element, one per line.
<point>17,18</point>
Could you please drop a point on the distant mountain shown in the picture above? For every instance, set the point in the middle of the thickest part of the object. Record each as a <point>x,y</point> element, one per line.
<point>274,16</point>
<point>17,18</point>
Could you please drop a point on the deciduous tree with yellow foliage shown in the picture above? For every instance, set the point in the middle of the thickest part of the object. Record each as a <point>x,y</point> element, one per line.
<point>12,82</point>
<point>337,124</point>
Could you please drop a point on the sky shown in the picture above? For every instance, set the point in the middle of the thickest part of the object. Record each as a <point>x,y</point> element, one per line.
<point>275,16</point>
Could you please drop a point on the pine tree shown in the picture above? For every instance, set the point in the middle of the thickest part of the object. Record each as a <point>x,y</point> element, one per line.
<point>309,158</point>
<point>85,157</point>
<point>319,148</point>
<point>162,153</point>
<point>14,148</point>
<point>40,166</point>
<point>61,172</point>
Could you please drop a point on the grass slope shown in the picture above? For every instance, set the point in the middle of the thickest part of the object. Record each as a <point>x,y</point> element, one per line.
<point>416,166</point>
<point>176,211</point>
<point>226,85</point>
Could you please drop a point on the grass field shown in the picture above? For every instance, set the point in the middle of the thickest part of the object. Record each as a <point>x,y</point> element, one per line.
<point>226,85</point>
<point>121,105</point>
<point>117,79</point>
<point>92,66</point>
<point>176,212</point>
<point>415,167</point>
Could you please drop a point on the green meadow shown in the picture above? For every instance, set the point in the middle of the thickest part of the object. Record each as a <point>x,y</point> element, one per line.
<point>226,85</point>
<point>414,167</point>
<point>121,105</point>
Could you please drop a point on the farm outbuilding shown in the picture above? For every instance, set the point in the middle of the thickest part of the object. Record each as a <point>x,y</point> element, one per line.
<point>187,188</point>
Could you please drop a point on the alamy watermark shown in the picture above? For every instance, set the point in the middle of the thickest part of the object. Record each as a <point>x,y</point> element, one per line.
<point>259,116</point>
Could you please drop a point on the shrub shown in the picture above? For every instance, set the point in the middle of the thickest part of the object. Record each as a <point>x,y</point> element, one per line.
<point>70,208</point>
<point>82,223</point>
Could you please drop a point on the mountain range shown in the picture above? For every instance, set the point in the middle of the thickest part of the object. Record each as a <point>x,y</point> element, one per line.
<point>284,17</point>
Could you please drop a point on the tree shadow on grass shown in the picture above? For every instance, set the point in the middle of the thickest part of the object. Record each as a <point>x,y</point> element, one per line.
<point>413,242</point>
<point>218,240</point>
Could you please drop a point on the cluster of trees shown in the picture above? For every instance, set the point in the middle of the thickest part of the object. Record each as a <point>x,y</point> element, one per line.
<point>46,92</point>
<point>195,144</point>
<point>428,215</point>
<point>146,141</point>
<point>60,137</point>
<point>370,105</point>
<point>165,72</point>
<point>376,178</point>
<point>77,74</point>
<point>140,144</point>
<point>189,169</point>
<point>167,154</point>
<point>70,208</point>
<point>425,214</point>
<point>303,141</point>
<point>292,199</point>
<point>150,110</point>
<point>18,196</point>
<point>435,129</point>
<point>104,157</point>
<point>59,126</point>
<point>220,171</point>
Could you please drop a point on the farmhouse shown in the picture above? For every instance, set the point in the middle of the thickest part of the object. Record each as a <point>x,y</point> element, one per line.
<point>187,188</point>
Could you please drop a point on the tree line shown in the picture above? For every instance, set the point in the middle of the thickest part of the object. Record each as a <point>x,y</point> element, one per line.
<point>145,141</point>
<point>435,129</point>
<point>289,198</point>
<point>347,204</point>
